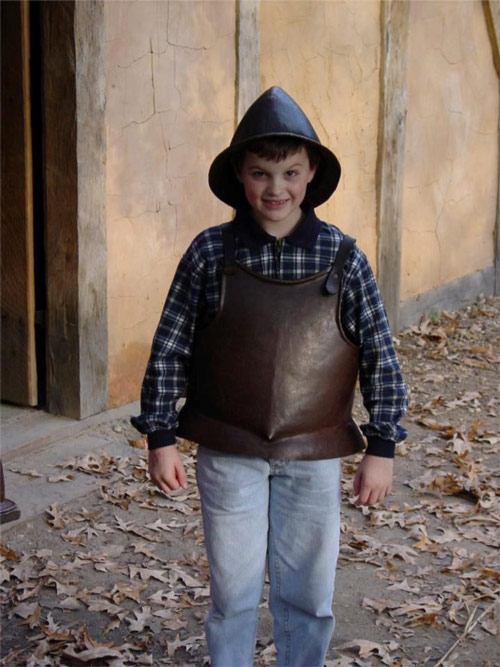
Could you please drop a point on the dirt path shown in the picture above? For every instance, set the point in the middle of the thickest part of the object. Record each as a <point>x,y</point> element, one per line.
<point>119,577</point>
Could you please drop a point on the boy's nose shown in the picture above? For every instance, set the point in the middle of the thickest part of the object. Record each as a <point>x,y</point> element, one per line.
<point>274,185</point>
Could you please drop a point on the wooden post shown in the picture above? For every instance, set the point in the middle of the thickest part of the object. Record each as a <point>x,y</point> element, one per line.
<point>492,15</point>
<point>73,49</point>
<point>391,151</point>
<point>247,55</point>
<point>18,364</point>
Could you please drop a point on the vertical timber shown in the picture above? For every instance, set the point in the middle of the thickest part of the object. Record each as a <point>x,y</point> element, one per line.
<point>247,54</point>
<point>92,226</point>
<point>391,151</point>
<point>75,149</point>
<point>492,15</point>
<point>18,358</point>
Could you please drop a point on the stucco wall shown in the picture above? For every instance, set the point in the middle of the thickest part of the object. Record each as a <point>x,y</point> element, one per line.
<point>171,91</point>
<point>327,56</point>
<point>451,167</point>
<point>170,108</point>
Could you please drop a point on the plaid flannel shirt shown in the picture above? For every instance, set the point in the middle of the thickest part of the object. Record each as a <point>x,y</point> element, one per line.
<point>193,300</point>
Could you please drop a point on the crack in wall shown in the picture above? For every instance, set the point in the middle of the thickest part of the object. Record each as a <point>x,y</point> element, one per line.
<point>165,147</point>
<point>141,57</point>
<point>189,48</point>
<point>137,122</point>
<point>152,75</point>
<point>176,88</point>
<point>179,46</point>
<point>443,55</point>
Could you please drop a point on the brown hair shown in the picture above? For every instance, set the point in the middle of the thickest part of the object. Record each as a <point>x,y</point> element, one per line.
<point>276,148</point>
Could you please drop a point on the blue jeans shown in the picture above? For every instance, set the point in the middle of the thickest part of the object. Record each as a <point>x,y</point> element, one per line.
<point>283,514</point>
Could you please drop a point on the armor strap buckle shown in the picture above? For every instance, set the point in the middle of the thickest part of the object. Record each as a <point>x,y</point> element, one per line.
<point>332,284</point>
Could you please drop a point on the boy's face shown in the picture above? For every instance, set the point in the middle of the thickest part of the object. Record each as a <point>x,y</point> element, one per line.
<point>275,190</point>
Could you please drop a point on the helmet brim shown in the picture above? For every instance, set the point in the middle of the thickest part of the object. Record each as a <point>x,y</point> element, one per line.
<point>225,185</point>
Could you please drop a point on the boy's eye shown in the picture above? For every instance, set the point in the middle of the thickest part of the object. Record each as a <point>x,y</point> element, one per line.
<point>291,172</point>
<point>257,173</point>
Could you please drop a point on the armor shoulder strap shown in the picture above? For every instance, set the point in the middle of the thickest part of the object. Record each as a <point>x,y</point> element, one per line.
<point>332,284</point>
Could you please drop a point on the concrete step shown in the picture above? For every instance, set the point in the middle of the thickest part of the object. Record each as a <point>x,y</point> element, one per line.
<point>25,430</point>
<point>33,445</point>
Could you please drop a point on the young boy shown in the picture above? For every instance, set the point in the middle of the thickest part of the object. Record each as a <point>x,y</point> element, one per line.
<point>267,323</point>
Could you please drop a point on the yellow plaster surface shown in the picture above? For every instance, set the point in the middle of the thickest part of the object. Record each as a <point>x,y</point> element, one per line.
<point>451,167</point>
<point>170,110</point>
<point>326,55</point>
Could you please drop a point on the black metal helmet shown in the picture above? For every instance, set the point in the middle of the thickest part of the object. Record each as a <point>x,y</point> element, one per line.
<point>273,114</point>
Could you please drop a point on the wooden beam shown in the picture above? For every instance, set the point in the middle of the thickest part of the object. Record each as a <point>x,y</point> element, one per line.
<point>247,55</point>
<point>391,151</point>
<point>61,198</point>
<point>18,364</point>
<point>75,151</point>
<point>492,15</point>
<point>92,224</point>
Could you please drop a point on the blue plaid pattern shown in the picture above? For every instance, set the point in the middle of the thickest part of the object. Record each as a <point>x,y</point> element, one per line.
<point>193,300</point>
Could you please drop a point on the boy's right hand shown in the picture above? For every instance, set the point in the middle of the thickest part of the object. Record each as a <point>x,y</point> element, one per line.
<point>166,469</point>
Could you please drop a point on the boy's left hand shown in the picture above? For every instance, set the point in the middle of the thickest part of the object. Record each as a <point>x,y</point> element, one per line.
<point>373,480</point>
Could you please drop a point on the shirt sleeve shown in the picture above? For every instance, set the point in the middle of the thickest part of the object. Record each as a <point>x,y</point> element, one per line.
<point>382,386</point>
<point>167,370</point>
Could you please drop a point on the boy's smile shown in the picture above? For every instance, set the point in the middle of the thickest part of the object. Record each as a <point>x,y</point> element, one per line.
<point>275,190</point>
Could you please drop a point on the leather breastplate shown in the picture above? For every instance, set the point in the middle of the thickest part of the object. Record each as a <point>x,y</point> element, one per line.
<point>273,374</point>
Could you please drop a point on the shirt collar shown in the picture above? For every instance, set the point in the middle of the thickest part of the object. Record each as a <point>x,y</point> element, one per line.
<point>251,234</point>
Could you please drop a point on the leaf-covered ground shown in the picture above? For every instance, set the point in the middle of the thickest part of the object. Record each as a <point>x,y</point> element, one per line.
<point>120,577</point>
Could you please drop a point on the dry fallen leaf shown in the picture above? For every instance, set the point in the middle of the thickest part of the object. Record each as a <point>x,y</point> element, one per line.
<point>8,553</point>
<point>28,473</point>
<point>146,573</point>
<point>366,648</point>
<point>25,610</point>
<point>61,478</point>
<point>56,520</point>
<point>172,646</point>
<point>142,618</point>
<point>70,603</point>
<point>157,526</point>
<point>91,654</point>
<point>141,443</point>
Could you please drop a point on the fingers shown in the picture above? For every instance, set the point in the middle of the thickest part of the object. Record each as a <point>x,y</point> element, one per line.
<point>171,480</point>
<point>167,483</point>
<point>367,494</point>
<point>159,481</point>
<point>181,475</point>
<point>167,470</point>
<point>373,480</point>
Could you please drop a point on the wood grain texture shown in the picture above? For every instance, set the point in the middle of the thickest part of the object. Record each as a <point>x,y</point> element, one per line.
<point>492,16</point>
<point>19,379</point>
<point>92,223</point>
<point>74,149</point>
<point>391,151</point>
<point>248,55</point>
<point>61,207</point>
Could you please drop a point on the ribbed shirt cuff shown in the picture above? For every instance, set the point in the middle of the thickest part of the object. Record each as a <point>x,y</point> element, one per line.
<point>163,438</point>
<point>379,447</point>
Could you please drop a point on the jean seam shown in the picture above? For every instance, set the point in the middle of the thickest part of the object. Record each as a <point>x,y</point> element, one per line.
<point>286,614</point>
